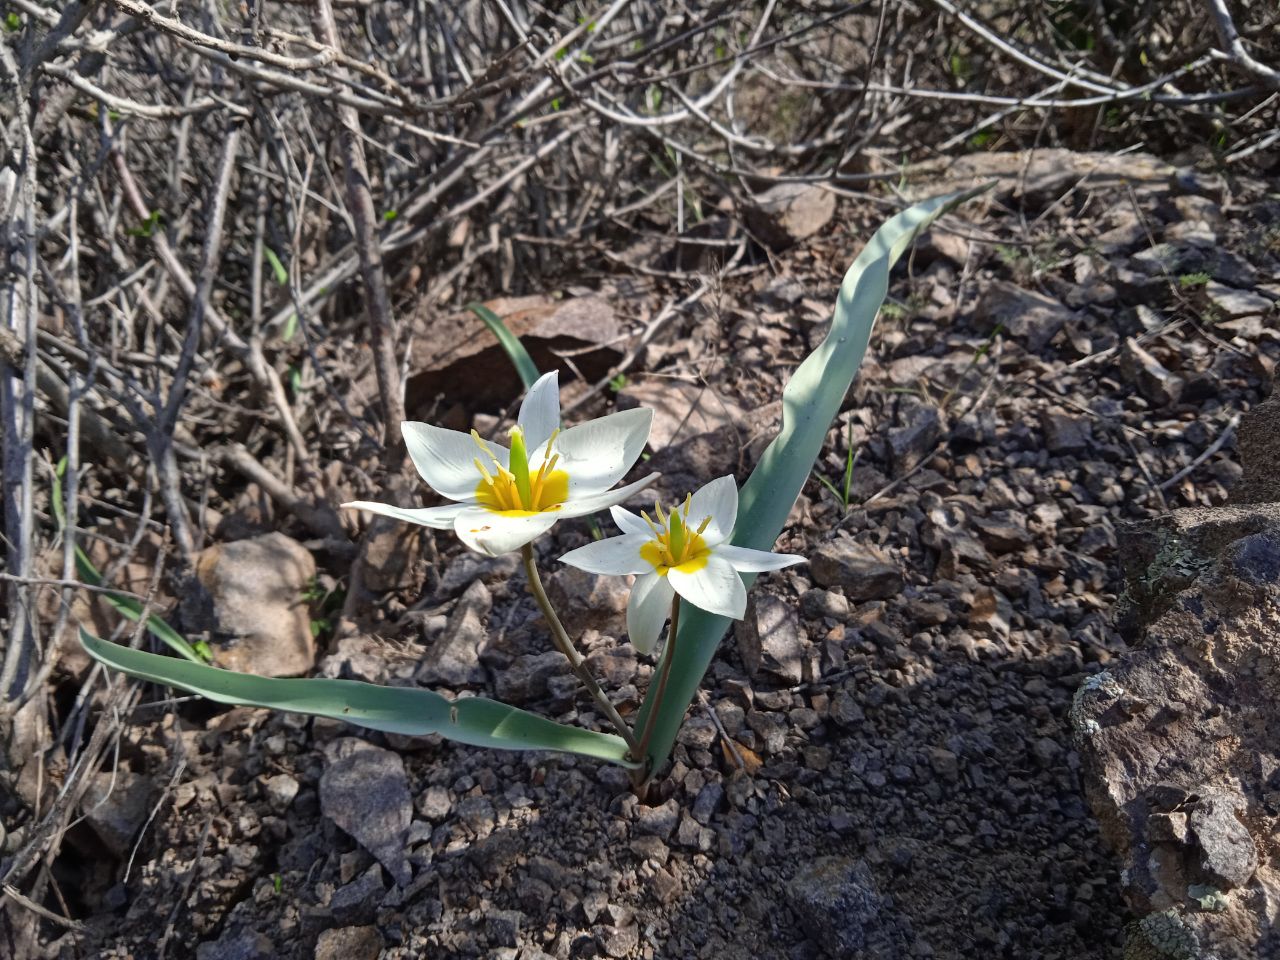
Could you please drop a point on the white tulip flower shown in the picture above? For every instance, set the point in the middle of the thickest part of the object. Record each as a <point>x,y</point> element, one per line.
<point>509,495</point>
<point>681,551</point>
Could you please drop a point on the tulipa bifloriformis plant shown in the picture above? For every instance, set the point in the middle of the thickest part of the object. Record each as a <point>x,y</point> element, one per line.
<point>693,560</point>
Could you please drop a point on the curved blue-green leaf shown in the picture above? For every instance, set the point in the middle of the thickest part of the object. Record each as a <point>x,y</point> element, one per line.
<point>405,710</point>
<point>509,342</point>
<point>810,402</point>
<point>124,605</point>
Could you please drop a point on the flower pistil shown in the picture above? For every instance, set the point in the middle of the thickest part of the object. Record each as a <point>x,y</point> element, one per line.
<point>516,488</point>
<point>675,543</point>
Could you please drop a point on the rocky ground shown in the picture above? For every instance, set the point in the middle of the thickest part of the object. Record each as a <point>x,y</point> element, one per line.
<point>883,763</point>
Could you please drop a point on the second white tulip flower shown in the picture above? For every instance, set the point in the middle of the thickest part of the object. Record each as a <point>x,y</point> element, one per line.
<point>684,551</point>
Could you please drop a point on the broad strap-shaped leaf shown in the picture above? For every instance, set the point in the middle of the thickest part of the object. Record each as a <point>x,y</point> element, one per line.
<point>405,710</point>
<point>810,403</point>
<point>509,342</point>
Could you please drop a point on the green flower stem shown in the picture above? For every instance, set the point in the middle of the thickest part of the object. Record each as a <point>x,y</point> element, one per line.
<point>560,637</point>
<point>668,655</point>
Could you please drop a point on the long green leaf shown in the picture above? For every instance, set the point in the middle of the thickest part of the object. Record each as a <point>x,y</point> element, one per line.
<point>124,605</point>
<point>810,403</point>
<point>406,710</point>
<point>132,609</point>
<point>509,342</point>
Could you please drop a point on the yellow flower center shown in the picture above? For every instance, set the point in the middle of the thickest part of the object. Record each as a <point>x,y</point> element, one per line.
<point>513,489</point>
<point>675,544</point>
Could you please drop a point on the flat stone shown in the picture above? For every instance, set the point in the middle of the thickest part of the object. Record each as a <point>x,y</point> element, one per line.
<point>356,902</point>
<point>658,821</point>
<point>526,679</point>
<point>824,603</point>
<point>1064,433</point>
<point>1149,375</point>
<point>959,552</point>
<point>680,409</point>
<point>991,612</point>
<point>349,943</point>
<point>454,659</point>
<point>1228,854</point>
<point>789,212</point>
<point>364,790</point>
<point>588,601</point>
<point>618,941</point>
<point>466,568</point>
<point>263,621</point>
<point>389,553</point>
<point>238,944</point>
<point>1030,318</point>
<point>909,445</point>
<point>1232,303</point>
<point>770,638</point>
<point>116,805</point>
<point>614,668</point>
<point>503,927</point>
<point>864,572</point>
<point>839,908</point>
<point>455,355</point>
<point>1002,532</point>
<point>280,791</point>
<point>434,804</point>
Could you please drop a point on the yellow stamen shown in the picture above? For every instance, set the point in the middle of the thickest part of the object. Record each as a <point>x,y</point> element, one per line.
<point>675,543</point>
<point>486,450</point>
<point>652,526</point>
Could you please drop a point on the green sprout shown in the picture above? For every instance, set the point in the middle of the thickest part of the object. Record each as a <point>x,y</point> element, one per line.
<point>277,268</point>
<point>148,227</point>
<point>842,493</point>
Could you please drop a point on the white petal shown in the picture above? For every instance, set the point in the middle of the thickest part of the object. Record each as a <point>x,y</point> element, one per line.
<point>593,503</point>
<point>439,517</point>
<point>616,556</point>
<point>719,501</point>
<point>628,522</point>
<point>446,458</point>
<point>647,610</point>
<point>746,560</point>
<point>497,533</point>
<point>598,453</point>
<point>540,412</point>
<point>716,588</point>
